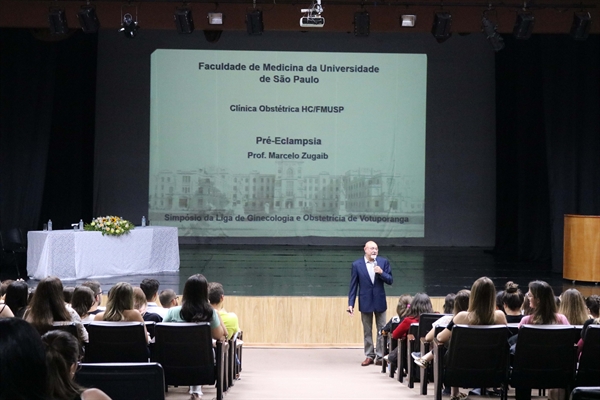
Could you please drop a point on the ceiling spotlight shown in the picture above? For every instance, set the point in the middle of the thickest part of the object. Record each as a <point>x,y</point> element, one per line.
<point>57,20</point>
<point>312,17</point>
<point>442,26</point>
<point>183,20</point>
<point>523,25</point>
<point>362,23</point>
<point>580,29</point>
<point>88,19</point>
<point>408,21</point>
<point>254,22</point>
<point>215,18</point>
<point>489,28</point>
<point>129,26</point>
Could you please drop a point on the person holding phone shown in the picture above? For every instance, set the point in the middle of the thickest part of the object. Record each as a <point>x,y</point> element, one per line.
<point>368,275</point>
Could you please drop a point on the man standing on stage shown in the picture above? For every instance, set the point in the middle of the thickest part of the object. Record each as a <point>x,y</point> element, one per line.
<point>368,276</point>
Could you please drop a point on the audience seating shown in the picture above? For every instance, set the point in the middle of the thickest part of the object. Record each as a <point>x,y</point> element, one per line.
<point>389,345</point>
<point>478,357</point>
<point>187,356</point>
<point>239,343</point>
<point>111,342</point>
<point>545,357</point>
<point>232,369</point>
<point>588,372</point>
<point>124,381</point>
<point>425,324</point>
<point>71,328</point>
<point>586,393</point>
<point>439,352</point>
<point>412,345</point>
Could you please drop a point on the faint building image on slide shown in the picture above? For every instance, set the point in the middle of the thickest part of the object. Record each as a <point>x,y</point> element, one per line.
<point>289,191</point>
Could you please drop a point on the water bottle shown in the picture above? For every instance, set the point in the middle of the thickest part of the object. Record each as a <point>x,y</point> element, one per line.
<point>80,224</point>
<point>143,221</point>
<point>49,225</point>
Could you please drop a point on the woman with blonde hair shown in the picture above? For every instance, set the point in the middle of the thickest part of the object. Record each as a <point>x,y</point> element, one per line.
<point>120,306</point>
<point>482,311</point>
<point>572,306</point>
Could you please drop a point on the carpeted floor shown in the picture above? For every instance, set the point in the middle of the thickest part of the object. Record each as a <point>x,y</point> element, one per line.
<point>298,374</point>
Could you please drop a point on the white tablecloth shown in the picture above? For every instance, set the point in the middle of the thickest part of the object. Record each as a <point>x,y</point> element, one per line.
<point>71,254</point>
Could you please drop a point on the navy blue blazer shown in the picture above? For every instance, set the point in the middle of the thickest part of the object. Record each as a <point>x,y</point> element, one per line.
<point>371,296</point>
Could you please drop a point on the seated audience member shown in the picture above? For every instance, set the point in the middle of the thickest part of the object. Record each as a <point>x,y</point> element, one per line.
<point>68,293</point>
<point>48,307</point>
<point>150,288</point>
<point>62,359</point>
<point>140,303</point>
<point>5,311</point>
<point>526,309</point>
<point>512,301</point>
<point>97,289</point>
<point>216,297</point>
<point>461,303</point>
<point>420,304</point>
<point>16,298</point>
<point>3,287</point>
<point>82,301</point>
<point>196,308</point>
<point>168,298</point>
<point>449,303</point>
<point>593,305</point>
<point>499,297</point>
<point>23,370</point>
<point>120,305</point>
<point>572,306</point>
<point>543,303</point>
<point>401,310</point>
<point>482,311</point>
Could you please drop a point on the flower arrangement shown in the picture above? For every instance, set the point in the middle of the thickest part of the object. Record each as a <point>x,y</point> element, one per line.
<point>110,225</point>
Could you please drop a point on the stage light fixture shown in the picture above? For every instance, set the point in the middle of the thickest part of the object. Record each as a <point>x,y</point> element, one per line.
<point>408,21</point>
<point>362,23</point>
<point>489,28</point>
<point>183,20</point>
<point>523,25</point>
<point>88,19</point>
<point>57,20</point>
<point>442,26</point>
<point>254,22</point>
<point>582,22</point>
<point>129,26</point>
<point>215,18</point>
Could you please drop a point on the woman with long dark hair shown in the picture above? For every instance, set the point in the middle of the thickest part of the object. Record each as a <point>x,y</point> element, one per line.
<point>196,308</point>
<point>48,307</point>
<point>62,359</point>
<point>543,303</point>
<point>17,293</point>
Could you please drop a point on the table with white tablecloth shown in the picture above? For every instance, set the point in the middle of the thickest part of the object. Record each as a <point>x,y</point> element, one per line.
<point>70,254</point>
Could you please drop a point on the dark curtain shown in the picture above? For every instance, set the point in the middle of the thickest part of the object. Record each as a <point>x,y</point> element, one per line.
<point>548,142</point>
<point>47,106</point>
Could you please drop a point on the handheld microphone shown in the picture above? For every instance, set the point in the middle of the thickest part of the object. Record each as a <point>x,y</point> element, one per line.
<point>374,262</point>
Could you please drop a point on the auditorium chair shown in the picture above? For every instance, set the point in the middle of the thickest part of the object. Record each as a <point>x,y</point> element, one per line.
<point>389,345</point>
<point>545,357</point>
<point>232,369</point>
<point>425,324</point>
<point>111,342</point>
<point>124,381</point>
<point>71,328</point>
<point>588,371</point>
<point>478,356</point>
<point>586,393</point>
<point>412,345</point>
<point>13,243</point>
<point>186,353</point>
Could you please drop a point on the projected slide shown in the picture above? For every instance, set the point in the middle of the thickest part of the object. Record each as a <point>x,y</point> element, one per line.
<point>288,144</point>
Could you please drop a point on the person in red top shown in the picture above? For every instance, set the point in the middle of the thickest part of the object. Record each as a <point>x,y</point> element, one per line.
<point>421,304</point>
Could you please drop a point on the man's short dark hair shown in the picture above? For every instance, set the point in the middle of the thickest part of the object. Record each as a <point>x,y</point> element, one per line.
<point>94,285</point>
<point>215,291</point>
<point>150,288</point>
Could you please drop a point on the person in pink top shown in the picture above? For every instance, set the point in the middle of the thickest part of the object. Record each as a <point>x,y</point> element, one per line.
<point>541,300</point>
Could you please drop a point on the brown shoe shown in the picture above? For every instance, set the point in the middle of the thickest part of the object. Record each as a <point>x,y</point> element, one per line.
<point>368,361</point>
<point>378,361</point>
